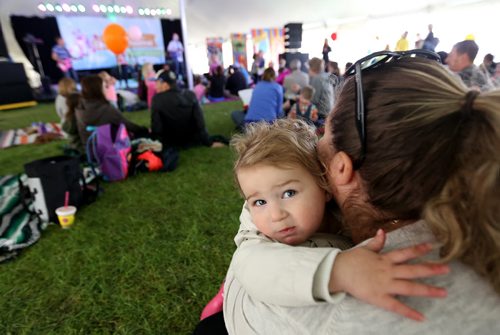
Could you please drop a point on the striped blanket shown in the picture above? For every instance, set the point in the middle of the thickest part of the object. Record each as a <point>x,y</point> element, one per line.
<point>9,138</point>
<point>18,228</point>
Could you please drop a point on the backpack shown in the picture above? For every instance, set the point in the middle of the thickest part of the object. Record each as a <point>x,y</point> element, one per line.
<point>48,181</point>
<point>109,147</point>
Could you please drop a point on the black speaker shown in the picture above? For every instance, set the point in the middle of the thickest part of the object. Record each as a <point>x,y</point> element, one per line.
<point>14,87</point>
<point>293,35</point>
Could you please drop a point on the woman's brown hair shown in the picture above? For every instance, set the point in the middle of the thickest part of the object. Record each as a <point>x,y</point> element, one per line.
<point>92,88</point>
<point>269,74</point>
<point>72,101</point>
<point>432,153</point>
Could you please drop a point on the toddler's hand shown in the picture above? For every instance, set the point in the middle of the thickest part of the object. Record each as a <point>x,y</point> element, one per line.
<point>376,278</point>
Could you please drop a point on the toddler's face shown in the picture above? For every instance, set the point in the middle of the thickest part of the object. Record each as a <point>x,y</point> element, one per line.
<point>286,205</point>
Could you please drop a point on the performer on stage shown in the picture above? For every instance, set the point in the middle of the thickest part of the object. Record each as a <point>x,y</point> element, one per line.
<point>175,50</point>
<point>63,58</point>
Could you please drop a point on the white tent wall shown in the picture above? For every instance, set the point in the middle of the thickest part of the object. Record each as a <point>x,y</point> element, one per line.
<point>451,25</point>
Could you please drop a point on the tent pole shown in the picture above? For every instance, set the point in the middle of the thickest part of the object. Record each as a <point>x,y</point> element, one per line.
<point>189,74</point>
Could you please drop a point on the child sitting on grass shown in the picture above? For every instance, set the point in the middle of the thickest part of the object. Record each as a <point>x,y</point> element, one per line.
<point>288,201</point>
<point>109,88</point>
<point>66,86</point>
<point>304,109</point>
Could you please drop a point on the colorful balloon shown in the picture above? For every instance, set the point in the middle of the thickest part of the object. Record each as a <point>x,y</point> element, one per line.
<point>134,33</point>
<point>334,36</point>
<point>115,38</point>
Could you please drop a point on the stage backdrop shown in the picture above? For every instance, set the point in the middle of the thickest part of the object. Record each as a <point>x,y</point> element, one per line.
<point>214,52</point>
<point>271,41</point>
<point>239,43</point>
<point>83,37</point>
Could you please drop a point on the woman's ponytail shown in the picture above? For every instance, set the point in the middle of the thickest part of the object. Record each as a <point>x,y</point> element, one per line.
<point>465,215</point>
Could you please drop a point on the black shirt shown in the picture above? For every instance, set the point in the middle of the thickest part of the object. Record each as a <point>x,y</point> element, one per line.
<point>236,82</point>
<point>177,119</point>
<point>216,89</point>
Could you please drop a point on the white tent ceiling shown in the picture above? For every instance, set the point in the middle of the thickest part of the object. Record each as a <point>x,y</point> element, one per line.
<point>359,22</point>
<point>210,18</point>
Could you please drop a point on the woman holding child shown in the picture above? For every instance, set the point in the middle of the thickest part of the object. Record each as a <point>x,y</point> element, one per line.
<point>407,149</point>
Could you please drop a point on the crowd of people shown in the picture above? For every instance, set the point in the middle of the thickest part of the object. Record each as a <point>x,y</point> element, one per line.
<point>410,149</point>
<point>407,169</point>
<point>177,120</point>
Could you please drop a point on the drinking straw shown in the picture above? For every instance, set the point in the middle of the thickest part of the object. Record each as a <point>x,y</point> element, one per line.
<point>66,199</point>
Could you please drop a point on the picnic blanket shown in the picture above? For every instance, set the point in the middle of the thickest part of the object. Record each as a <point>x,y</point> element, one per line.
<point>42,131</point>
<point>18,227</point>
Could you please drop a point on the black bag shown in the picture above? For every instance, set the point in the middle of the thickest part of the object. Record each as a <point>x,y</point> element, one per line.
<point>49,179</point>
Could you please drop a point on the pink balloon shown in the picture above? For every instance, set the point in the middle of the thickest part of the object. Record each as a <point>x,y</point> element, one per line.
<point>134,33</point>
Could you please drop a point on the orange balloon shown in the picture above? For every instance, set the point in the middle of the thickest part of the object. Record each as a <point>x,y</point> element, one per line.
<point>115,38</point>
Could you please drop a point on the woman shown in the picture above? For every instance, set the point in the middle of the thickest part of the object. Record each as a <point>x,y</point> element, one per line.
<point>216,84</point>
<point>326,50</point>
<point>421,162</point>
<point>266,103</point>
<point>95,110</point>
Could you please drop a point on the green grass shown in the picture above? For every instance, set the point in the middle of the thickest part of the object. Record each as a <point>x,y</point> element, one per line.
<point>144,259</point>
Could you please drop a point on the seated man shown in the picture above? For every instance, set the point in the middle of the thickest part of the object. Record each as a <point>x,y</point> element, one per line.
<point>461,61</point>
<point>176,117</point>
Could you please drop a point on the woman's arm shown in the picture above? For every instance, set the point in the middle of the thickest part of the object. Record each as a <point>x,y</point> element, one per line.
<point>116,117</point>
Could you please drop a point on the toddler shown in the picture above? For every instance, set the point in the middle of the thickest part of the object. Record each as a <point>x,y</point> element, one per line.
<point>304,109</point>
<point>66,86</point>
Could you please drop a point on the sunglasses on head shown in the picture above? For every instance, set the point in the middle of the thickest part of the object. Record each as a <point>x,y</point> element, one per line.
<point>372,61</point>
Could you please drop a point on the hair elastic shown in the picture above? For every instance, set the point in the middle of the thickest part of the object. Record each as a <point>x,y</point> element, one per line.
<point>469,101</point>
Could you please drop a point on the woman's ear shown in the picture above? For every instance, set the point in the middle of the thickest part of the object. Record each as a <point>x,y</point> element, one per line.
<point>340,169</point>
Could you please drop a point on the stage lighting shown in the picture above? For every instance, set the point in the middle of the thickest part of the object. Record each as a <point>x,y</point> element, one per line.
<point>95,8</point>
<point>169,11</point>
<point>103,8</point>
<point>73,8</point>
<point>42,7</point>
<point>116,8</point>
<point>123,10</point>
<point>58,8</point>
<point>50,7</point>
<point>110,9</point>
<point>141,11</point>
<point>153,12</point>
<point>66,7</point>
<point>129,9</point>
<point>147,11</point>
